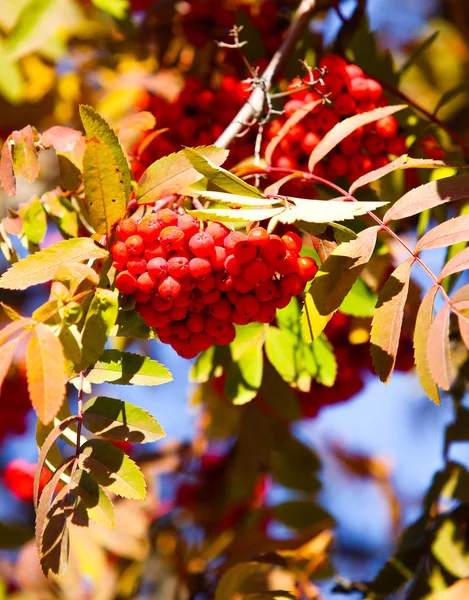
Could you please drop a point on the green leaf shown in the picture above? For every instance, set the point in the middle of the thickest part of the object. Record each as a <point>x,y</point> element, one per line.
<point>236,216</point>
<point>119,9</point>
<point>301,515</point>
<point>289,317</point>
<point>312,323</point>
<point>280,346</point>
<point>451,550</point>
<point>61,211</point>
<point>126,368</point>
<point>326,362</point>
<point>54,539</point>
<point>449,95</point>
<point>360,301</point>
<point>31,16</point>
<point>96,501</point>
<point>210,364</point>
<point>173,173</point>
<point>121,421</point>
<point>244,377</point>
<point>113,469</point>
<point>105,195</point>
<point>220,177</point>
<point>96,127</point>
<point>42,266</point>
<point>34,220</point>
<point>100,318</point>
<point>130,324</point>
<point>422,327</point>
<point>387,321</point>
<point>12,84</point>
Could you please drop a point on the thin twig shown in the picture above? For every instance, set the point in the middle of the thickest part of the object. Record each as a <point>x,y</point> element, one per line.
<point>254,105</point>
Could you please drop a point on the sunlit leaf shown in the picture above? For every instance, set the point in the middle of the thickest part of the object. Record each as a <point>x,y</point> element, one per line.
<point>325,360</point>
<point>450,232</point>
<point>41,267</point>
<point>422,327</point>
<point>62,139</point>
<point>345,128</point>
<point>100,319</point>
<point>360,301</point>
<point>280,348</point>
<point>113,469</point>
<point>173,173</point>
<point>236,216</point>
<point>96,501</point>
<point>239,200</point>
<point>121,421</point>
<point>438,350</point>
<point>323,211</point>
<point>450,549</point>
<point>7,174</point>
<point>126,368</point>
<point>25,156</point>
<point>387,320</point>
<point>459,262</point>
<point>34,221</point>
<point>118,9</point>
<point>31,16</point>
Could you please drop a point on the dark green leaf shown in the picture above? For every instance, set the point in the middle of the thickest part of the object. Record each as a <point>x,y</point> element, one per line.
<point>302,515</point>
<point>96,501</point>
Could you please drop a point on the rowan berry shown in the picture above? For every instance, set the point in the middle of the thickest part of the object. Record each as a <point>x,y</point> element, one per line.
<point>221,309</point>
<point>142,297</point>
<point>178,266</point>
<point>375,91</point>
<point>195,323</point>
<point>199,268</point>
<point>350,145</point>
<point>267,312</point>
<point>137,266</point>
<point>354,71</point>
<point>154,250</point>
<point>338,166</point>
<point>201,341</point>
<point>293,242</point>
<point>273,251</point>
<point>224,281</point>
<point>135,245</point>
<point>258,236</point>
<point>210,297</point>
<point>374,143</point>
<point>287,163</point>
<point>241,285</point>
<point>239,319</point>
<point>287,265</point>
<point>119,252</point>
<point>181,331</point>
<point>184,299</point>
<point>202,244</point>
<point>169,288</point>
<point>292,106</point>
<point>146,283</point>
<point>245,251</point>
<point>333,84</point>
<point>215,327</point>
<point>217,260</point>
<point>227,336</point>
<point>172,238</point>
<point>126,283</point>
<point>159,304</point>
<point>157,268</point>
<point>231,240</point>
<point>310,141</point>
<point>218,231</point>
<point>397,145</point>
<point>307,268</point>
<point>149,228</point>
<point>207,284</point>
<point>147,313</point>
<point>188,225</point>
<point>345,105</point>
<point>327,118</point>
<point>248,305</point>
<point>188,283</point>
<point>167,218</point>
<point>333,64</point>
<point>118,266</point>
<point>126,228</point>
<point>360,164</point>
<point>292,285</point>
<point>358,89</point>
<point>265,291</point>
<point>379,161</point>
<point>257,271</point>
<point>232,265</point>
<point>387,127</point>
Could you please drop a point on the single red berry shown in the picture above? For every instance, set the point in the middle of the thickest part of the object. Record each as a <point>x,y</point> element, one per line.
<point>197,305</point>
<point>157,268</point>
<point>265,291</point>
<point>149,228</point>
<point>248,305</point>
<point>333,64</point>
<point>245,251</point>
<point>126,228</point>
<point>292,285</point>
<point>257,271</point>
<point>218,231</point>
<point>293,242</point>
<point>231,240</point>
<point>387,127</point>
<point>146,283</point>
<point>135,245</point>
<point>224,281</point>
<point>333,84</point>
<point>350,146</point>
<point>296,133</point>
<point>358,89</point>
<point>379,161</point>
<point>201,341</point>
<point>184,299</point>
<point>354,71</point>
<point>310,141</point>
<point>210,297</point>
<point>360,164</point>
<point>215,327</point>
<point>126,283</point>
<point>273,251</point>
<point>241,285</point>
<point>217,260</point>
<point>327,118</point>
<point>375,90</point>
<point>188,283</point>
<point>267,312</point>
<point>258,236</point>
<point>199,268</point>
<point>178,313</point>
<point>207,284</point>
<point>179,253</point>
<point>307,268</point>
<point>119,252</point>
<point>374,143</point>
<point>202,245</point>
<point>178,267</point>
<point>286,162</point>
<point>118,266</point>
<point>154,250</point>
<point>169,288</point>
<point>159,304</point>
<point>232,265</point>
<point>338,166</point>
<point>188,225</point>
<point>233,296</point>
<point>172,238</point>
<point>160,319</point>
<point>292,106</point>
<point>239,319</point>
<point>345,105</point>
<point>167,218</point>
<point>137,266</point>
<point>180,330</point>
<point>283,301</point>
<point>287,265</point>
<point>227,336</point>
<point>142,297</point>
<point>397,145</point>
<point>195,323</point>
<point>221,309</point>
<point>151,317</point>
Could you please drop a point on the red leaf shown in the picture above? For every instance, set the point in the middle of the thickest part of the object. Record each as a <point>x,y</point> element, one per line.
<point>387,320</point>
<point>345,128</point>
<point>7,174</point>
<point>63,139</point>
<point>403,162</point>
<point>428,196</point>
<point>422,325</point>
<point>25,156</point>
<point>45,373</point>
<point>438,351</point>
<point>296,117</point>
<point>450,232</point>
<point>458,263</point>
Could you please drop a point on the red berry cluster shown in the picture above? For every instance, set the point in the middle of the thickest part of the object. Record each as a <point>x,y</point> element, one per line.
<point>191,285</point>
<point>351,93</point>
<point>197,117</point>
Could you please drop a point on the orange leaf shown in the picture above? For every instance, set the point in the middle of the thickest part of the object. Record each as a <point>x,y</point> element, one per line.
<point>464,329</point>
<point>345,128</point>
<point>296,117</point>
<point>438,351</point>
<point>45,372</point>
<point>13,328</point>
<point>422,326</point>
<point>458,263</point>
<point>7,174</point>
<point>387,321</point>
<point>447,233</point>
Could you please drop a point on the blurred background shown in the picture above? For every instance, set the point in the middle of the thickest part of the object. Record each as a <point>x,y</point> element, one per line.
<point>379,445</point>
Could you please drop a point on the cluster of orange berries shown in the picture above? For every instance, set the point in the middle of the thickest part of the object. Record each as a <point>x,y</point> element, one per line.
<point>350,93</point>
<point>191,285</point>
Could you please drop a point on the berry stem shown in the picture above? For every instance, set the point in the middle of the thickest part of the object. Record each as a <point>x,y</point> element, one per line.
<point>255,103</point>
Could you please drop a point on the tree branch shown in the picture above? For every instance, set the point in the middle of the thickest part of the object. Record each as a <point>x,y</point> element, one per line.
<point>254,105</point>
